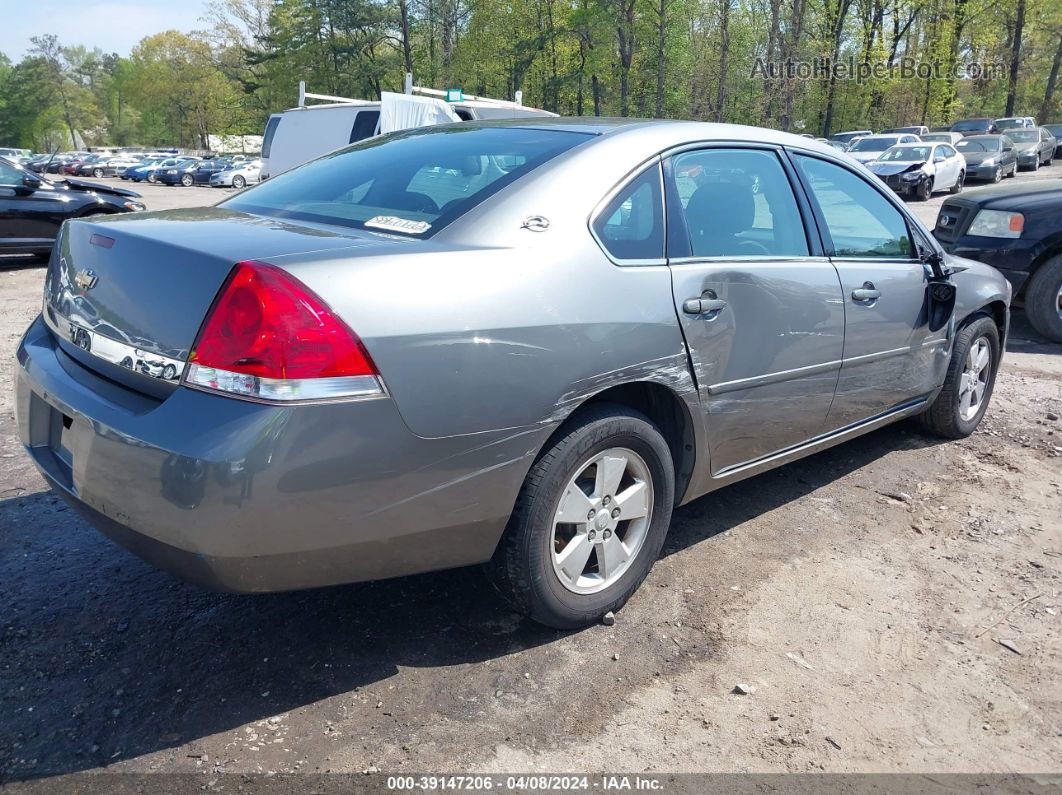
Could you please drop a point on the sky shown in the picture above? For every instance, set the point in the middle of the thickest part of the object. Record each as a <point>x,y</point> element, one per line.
<point>111,25</point>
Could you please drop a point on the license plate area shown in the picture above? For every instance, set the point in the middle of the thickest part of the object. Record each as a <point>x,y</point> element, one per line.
<point>60,438</point>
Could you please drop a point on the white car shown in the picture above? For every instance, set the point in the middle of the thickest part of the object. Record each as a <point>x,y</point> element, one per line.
<point>919,170</point>
<point>869,147</point>
<point>238,175</point>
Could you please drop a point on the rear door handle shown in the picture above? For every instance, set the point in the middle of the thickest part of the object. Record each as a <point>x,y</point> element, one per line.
<point>701,306</point>
<point>868,292</point>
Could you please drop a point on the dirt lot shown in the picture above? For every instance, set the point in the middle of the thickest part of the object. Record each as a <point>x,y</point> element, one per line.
<point>848,592</point>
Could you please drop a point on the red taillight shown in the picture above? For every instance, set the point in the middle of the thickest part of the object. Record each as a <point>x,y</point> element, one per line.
<point>269,336</point>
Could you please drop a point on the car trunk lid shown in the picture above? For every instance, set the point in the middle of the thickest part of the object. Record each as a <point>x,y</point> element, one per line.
<point>127,296</point>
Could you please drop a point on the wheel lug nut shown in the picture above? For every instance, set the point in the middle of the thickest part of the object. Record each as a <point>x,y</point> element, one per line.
<point>607,500</point>
<point>589,516</point>
<point>607,534</point>
<point>592,534</point>
<point>615,513</point>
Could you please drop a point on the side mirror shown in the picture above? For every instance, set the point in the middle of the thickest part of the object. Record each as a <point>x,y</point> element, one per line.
<point>30,183</point>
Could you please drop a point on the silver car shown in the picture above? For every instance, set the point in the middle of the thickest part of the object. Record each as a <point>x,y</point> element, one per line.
<point>238,175</point>
<point>517,344</point>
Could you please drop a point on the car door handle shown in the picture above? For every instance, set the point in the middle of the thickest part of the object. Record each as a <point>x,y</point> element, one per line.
<point>701,306</point>
<point>868,292</point>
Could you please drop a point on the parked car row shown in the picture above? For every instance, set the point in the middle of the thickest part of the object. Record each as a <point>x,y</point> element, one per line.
<point>154,167</point>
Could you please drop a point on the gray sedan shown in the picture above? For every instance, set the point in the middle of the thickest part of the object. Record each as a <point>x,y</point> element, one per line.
<point>519,344</point>
<point>238,175</point>
<point>1035,147</point>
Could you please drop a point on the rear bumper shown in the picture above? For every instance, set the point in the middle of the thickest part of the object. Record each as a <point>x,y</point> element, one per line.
<point>250,497</point>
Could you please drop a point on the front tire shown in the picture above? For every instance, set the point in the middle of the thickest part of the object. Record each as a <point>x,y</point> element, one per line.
<point>957,410</point>
<point>97,173</point>
<point>997,175</point>
<point>187,180</point>
<point>923,191</point>
<point>589,521</point>
<point>239,182</point>
<point>1043,299</point>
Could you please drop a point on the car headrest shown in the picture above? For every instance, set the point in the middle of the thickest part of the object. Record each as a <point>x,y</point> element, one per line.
<point>716,213</point>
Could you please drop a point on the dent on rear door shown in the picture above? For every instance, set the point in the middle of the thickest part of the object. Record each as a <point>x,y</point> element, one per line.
<point>766,360</point>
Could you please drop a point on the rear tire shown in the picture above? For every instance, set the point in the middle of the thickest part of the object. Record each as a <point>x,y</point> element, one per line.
<point>527,567</point>
<point>957,187</point>
<point>1043,299</point>
<point>953,414</point>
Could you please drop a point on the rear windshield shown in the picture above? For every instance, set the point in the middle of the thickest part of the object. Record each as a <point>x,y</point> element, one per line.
<point>413,182</point>
<point>976,124</point>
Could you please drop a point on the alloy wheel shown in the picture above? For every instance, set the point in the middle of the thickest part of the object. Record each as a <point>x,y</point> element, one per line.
<point>974,380</point>
<point>1058,302</point>
<point>602,520</point>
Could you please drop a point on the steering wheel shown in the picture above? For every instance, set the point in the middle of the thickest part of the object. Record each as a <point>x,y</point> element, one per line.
<point>757,248</point>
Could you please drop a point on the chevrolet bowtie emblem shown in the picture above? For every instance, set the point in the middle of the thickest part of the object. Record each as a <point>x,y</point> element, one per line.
<point>85,279</point>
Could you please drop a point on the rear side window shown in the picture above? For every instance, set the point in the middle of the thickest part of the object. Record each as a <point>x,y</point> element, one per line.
<point>270,131</point>
<point>412,182</point>
<point>364,125</point>
<point>860,221</point>
<point>631,227</point>
<point>738,203</point>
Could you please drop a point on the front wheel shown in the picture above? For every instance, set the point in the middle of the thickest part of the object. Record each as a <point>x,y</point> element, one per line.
<point>963,399</point>
<point>997,175</point>
<point>923,191</point>
<point>97,173</point>
<point>239,182</point>
<point>187,180</point>
<point>1043,299</point>
<point>589,521</point>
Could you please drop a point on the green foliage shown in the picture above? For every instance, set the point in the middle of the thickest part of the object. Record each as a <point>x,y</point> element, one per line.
<point>673,58</point>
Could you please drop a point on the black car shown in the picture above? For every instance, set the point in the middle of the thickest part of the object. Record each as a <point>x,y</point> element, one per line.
<point>975,127</point>
<point>204,171</point>
<point>1055,128</point>
<point>989,157</point>
<point>33,208</point>
<point>1016,228</point>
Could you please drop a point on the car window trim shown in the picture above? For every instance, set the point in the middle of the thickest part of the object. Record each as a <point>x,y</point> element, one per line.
<point>618,188</point>
<point>816,249</point>
<point>824,230</point>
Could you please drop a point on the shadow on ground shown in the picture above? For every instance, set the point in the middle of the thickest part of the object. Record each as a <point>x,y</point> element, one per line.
<point>104,658</point>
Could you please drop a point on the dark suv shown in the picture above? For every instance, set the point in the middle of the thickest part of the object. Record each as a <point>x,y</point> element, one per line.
<point>1016,228</point>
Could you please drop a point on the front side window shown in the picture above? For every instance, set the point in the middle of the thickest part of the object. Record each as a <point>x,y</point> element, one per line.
<point>737,202</point>
<point>413,182</point>
<point>860,222</point>
<point>631,226</point>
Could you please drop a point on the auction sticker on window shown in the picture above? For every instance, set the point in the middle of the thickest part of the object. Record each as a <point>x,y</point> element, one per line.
<point>393,223</point>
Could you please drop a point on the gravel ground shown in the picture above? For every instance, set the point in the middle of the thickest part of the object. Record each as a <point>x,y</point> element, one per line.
<point>847,594</point>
